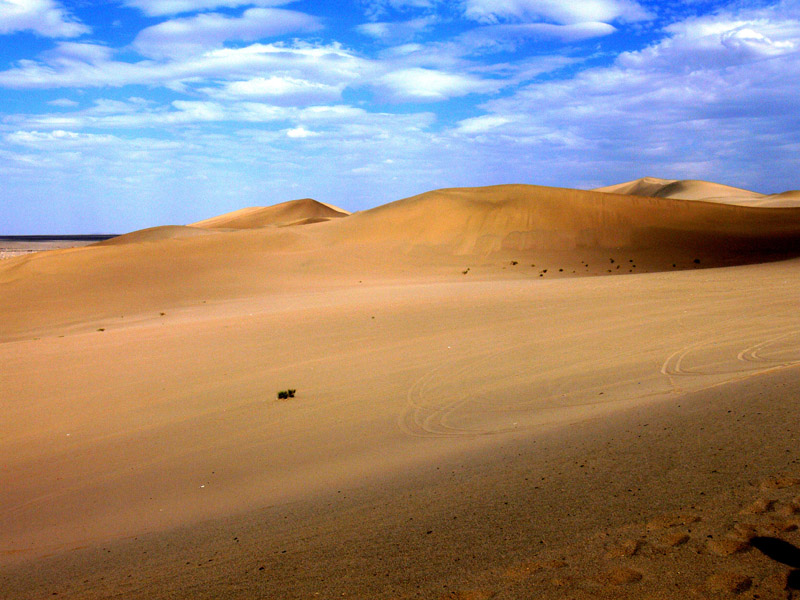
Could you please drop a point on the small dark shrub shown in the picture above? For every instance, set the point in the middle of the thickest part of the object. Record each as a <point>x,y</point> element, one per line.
<point>286,394</point>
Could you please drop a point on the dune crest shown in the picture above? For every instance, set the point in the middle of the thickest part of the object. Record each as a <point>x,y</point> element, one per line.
<point>293,212</point>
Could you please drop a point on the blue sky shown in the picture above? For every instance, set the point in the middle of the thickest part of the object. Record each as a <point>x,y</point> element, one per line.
<point>126,114</point>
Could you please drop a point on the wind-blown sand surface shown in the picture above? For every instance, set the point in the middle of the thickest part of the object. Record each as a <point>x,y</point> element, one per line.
<point>478,414</point>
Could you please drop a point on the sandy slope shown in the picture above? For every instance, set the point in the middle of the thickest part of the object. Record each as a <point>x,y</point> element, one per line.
<point>490,434</point>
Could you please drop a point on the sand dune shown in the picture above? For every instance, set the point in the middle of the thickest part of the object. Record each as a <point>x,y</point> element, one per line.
<point>483,221</point>
<point>690,189</point>
<point>478,413</point>
<point>687,189</point>
<point>294,212</point>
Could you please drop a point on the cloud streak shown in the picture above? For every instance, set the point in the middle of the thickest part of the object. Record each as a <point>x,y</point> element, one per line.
<point>162,8</point>
<point>192,35</point>
<point>556,11</point>
<point>46,18</point>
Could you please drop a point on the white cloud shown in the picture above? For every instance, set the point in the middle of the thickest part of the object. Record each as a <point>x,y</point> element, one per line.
<point>160,8</point>
<point>398,31</point>
<point>300,132</point>
<point>70,53</point>
<point>70,142</point>
<point>483,124</point>
<point>38,138</point>
<point>278,90</point>
<point>63,103</point>
<point>43,17</point>
<point>716,96</point>
<point>378,8</point>
<point>329,64</point>
<point>716,42</point>
<point>193,35</point>
<point>430,85</point>
<point>558,11</point>
<point>509,36</point>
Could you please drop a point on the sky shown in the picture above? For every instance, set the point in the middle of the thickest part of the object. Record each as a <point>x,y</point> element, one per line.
<point>125,114</point>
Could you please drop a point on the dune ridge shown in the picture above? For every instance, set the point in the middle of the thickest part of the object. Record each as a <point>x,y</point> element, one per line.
<point>549,232</point>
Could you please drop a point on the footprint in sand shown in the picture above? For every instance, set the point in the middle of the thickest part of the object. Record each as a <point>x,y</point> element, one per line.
<point>759,507</point>
<point>727,546</point>
<point>729,582</point>
<point>624,549</point>
<point>728,561</point>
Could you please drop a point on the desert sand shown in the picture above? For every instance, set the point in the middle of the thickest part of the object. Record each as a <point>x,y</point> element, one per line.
<point>502,392</point>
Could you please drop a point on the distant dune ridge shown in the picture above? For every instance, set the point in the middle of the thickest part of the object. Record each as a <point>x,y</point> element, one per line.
<point>690,189</point>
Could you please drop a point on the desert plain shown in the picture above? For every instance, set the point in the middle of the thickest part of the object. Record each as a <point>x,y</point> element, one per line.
<point>503,392</point>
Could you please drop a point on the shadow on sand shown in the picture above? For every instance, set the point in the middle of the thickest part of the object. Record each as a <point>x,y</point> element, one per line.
<point>782,552</point>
